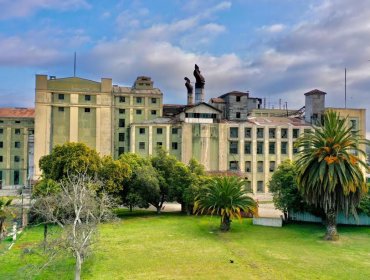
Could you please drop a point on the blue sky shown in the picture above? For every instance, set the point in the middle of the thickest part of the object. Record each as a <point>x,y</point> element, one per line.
<point>275,49</point>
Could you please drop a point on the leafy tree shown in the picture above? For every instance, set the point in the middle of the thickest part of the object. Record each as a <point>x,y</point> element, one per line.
<point>113,174</point>
<point>365,204</point>
<point>329,170</point>
<point>70,157</point>
<point>225,196</point>
<point>284,189</point>
<point>4,213</point>
<point>142,187</point>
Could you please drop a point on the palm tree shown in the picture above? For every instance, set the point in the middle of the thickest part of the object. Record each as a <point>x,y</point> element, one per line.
<point>4,213</point>
<point>330,169</point>
<point>225,196</point>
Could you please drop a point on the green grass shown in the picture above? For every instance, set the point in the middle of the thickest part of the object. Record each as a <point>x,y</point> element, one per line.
<point>169,246</point>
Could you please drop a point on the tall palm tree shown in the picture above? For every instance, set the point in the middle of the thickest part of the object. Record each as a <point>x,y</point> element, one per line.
<point>225,196</point>
<point>4,213</point>
<point>330,168</point>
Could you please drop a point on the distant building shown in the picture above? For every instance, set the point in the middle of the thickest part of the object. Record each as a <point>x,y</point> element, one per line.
<point>230,133</point>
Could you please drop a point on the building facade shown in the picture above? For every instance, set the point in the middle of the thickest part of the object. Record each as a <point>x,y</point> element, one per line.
<point>230,133</point>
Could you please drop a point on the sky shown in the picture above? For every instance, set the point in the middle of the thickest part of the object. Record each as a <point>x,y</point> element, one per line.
<point>275,49</point>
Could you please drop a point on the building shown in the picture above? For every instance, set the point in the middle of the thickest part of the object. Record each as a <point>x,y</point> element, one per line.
<point>16,146</point>
<point>230,133</point>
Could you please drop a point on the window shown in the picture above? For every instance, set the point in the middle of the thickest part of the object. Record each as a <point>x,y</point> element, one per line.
<point>139,100</point>
<point>353,124</point>
<point>259,132</point>
<point>272,166</point>
<point>284,133</point>
<point>17,159</point>
<point>247,132</point>
<point>60,109</point>
<point>138,112</point>
<point>122,99</point>
<point>284,148</point>
<point>142,145</point>
<point>121,111</point>
<point>248,166</point>
<point>259,166</point>
<point>1,130</point>
<point>87,110</point>
<point>272,133</point>
<point>17,144</point>
<point>233,165</point>
<point>238,115</point>
<point>259,148</point>
<point>272,148</point>
<point>248,186</point>
<point>121,137</point>
<point>237,98</point>
<point>1,144</point>
<point>17,121</point>
<point>295,149</point>
<point>121,123</point>
<point>260,187</point>
<point>174,145</point>
<point>295,133</point>
<point>154,100</point>
<point>233,147</point>
<point>141,130</point>
<point>17,131</point>
<point>247,147</point>
<point>159,130</point>
<point>1,158</point>
<point>175,130</point>
<point>61,96</point>
<point>159,144</point>
<point>154,112</point>
<point>234,132</point>
<point>87,97</point>
<point>16,177</point>
<point>121,150</point>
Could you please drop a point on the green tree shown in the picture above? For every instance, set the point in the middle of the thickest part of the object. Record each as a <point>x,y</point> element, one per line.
<point>365,203</point>
<point>329,170</point>
<point>69,159</point>
<point>4,213</point>
<point>284,189</point>
<point>113,174</point>
<point>225,196</point>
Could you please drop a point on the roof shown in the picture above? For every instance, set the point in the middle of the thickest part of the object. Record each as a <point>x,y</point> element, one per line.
<point>278,121</point>
<point>315,92</point>
<point>217,100</point>
<point>201,103</point>
<point>235,93</point>
<point>172,109</point>
<point>17,112</point>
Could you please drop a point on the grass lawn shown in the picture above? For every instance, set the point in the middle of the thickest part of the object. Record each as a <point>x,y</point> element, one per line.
<point>169,246</point>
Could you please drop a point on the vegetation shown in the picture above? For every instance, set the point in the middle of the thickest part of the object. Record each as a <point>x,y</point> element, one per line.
<point>4,213</point>
<point>329,171</point>
<point>365,204</point>
<point>147,246</point>
<point>225,196</point>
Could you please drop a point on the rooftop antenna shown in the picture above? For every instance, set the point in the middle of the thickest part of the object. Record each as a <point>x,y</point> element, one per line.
<point>345,88</point>
<point>74,66</point>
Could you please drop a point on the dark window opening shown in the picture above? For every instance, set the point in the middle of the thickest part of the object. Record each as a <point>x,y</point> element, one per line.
<point>87,97</point>
<point>61,96</point>
<point>121,136</point>
<point>159,130</point>
<point>121,150</point>
<point>121,123</point>
<point>174,145</point>
<point>141,130</point>
<point>87,110</point>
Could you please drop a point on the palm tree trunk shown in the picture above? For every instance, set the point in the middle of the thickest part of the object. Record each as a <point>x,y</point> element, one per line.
<point>331,225</point>
<point>225,223</point>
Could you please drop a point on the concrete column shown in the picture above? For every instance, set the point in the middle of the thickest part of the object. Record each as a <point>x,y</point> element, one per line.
<point>266,158</point>
<point>73,124</point>
<point>254,159</point>
<point>241,148</point>
<point>98,131</point>
<point>150,141</point>
<point>223,147</point>
<point>290,143</point>
<point>132,138</point>
<point>278,146</point>
<point>168,138</point>
<point>186,143</point>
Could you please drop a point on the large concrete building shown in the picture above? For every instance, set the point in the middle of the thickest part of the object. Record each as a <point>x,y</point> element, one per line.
<point>230,133</point>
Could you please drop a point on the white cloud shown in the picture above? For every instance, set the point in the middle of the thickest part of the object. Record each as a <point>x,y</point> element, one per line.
<point>22,8</point>
<point>275,28</point>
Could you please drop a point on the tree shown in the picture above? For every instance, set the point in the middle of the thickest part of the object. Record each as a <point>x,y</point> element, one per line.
<point>284,189</point>
<point>364,205</point>
<point>79,211</point>
<point>74,158</point>
<point>329,169</point>
<point>225,196</point>
<point>4,213</point>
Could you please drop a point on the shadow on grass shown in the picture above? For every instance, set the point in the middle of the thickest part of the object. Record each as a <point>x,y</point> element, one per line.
<point>142,213</point>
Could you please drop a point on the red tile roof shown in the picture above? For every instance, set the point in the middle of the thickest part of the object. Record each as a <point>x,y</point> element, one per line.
<point>217,100</point>
<point>17,112</point>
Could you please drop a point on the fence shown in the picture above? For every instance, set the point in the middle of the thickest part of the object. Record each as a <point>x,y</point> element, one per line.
<point>363,219</point>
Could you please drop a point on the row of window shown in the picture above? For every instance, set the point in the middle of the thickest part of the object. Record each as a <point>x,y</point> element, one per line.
<point>233,148</point>
<point>122,99</point>
<point>260,132</point>
<point>159,130</point>
<point>16,159</point>
<point>17,131</point>
<point>17,144</point>
<point>1,121</point>
<point>174,145</point>
<point>234,165</point>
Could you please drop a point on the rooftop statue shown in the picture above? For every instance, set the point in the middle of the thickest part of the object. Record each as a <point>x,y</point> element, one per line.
<point>188,85</point>
<point>198,77</point>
